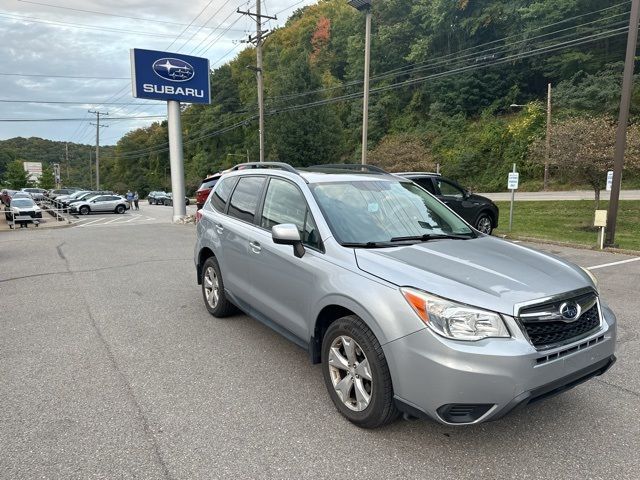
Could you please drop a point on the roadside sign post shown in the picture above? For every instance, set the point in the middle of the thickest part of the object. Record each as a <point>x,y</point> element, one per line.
<point>512,184</point>
<point>173,78</point>
<point>601,221</point>
<point>609,180</point>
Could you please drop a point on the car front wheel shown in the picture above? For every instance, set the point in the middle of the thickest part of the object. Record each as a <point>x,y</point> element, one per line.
<point>356,373</point>
<point>484,224</point>
<point>84,210</point>
<point>213,290</point>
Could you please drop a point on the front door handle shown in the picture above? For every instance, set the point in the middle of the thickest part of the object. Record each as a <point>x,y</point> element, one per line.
<point>255,247</point>
<point>219,229</point>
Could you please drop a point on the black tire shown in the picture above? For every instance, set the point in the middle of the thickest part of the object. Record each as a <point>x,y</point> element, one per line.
<point>84,210</point>
<point>381,409</point>
<point>150,202</point>
<point>484,223</point>
<point>187,201</point>
<point>121,209</point>
<point>223,307</point>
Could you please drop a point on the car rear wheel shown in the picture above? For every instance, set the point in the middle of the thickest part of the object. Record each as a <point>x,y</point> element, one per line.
<point>120,209</point>
<point>84,210</point>
<point>484,224</point>
<point>213,290</point>
<point>356,373</point>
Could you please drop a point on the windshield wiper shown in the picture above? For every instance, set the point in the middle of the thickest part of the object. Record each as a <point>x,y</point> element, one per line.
<point>366,245</point>
<point>426,237</point>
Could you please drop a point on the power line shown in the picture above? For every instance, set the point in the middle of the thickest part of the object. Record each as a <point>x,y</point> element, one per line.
<point>144,19</point>
<point>65,102</point>
<point>42,75</point>
<point>58,23</point>
<point>475,66</point>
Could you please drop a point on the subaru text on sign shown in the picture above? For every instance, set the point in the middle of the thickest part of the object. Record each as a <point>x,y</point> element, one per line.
<point>170,76</point>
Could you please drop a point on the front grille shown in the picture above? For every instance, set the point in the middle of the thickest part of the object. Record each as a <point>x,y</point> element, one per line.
<point>550,333</point>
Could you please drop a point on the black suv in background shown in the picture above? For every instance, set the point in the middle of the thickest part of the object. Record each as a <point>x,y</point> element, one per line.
<point>477,210</point>
<point>156,198</point>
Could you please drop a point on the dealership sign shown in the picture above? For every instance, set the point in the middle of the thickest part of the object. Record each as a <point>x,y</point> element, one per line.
<point>170,76</point>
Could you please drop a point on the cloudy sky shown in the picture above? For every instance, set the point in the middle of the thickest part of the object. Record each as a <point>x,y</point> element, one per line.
<point>44,42</point>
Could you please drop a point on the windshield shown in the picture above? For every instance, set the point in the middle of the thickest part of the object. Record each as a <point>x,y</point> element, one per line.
<point>364,212</point>
<point>22,202</point>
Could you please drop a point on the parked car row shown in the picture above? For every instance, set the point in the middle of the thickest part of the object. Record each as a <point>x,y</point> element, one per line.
<point>36,194</point>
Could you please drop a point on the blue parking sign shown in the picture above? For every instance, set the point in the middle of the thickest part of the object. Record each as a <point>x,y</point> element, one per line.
<point>170,76</point>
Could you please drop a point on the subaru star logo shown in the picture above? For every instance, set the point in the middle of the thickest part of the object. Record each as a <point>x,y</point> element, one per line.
<point>569,311</point>
<point>173,69</point>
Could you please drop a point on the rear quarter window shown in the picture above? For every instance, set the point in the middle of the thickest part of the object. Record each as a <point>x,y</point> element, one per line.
<point>220,196</point>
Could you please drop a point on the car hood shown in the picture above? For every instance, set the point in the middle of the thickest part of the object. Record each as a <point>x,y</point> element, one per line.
<point>485,272</point>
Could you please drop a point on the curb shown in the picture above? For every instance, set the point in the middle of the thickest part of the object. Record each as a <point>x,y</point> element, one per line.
<point>578,246</point>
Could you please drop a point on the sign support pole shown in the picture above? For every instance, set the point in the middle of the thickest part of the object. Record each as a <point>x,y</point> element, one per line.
<point>513,197</point>
<point>176,160</point>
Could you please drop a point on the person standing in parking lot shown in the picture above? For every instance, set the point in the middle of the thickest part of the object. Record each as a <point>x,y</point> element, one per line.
<point>136,199</point>
<point>129,198</point>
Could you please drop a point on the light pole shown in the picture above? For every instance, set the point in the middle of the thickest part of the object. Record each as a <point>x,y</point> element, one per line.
<point>365,6</point>
<point>547,156</point>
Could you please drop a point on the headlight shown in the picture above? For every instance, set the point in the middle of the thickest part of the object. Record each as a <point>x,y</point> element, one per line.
<point>591,276</point>
<point>455,320</point>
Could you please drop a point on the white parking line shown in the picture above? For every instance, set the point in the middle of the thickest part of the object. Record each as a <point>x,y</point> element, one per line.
<point>111,221</point>
<point>613,264</point>
<point>89,223</point>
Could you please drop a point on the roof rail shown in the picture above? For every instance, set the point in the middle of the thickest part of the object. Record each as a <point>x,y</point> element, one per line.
<point>349,166</point>
<point>276,165</point>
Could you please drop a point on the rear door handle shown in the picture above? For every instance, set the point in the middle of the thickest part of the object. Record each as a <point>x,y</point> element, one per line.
<point>255,247</point>
<point>219,229</point>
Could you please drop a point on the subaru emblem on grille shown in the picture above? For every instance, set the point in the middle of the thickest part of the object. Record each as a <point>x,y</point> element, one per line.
<point>570,311</point>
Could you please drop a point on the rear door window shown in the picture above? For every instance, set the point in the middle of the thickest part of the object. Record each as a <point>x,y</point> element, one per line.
<point>208,184</point>
<point>245,198</point>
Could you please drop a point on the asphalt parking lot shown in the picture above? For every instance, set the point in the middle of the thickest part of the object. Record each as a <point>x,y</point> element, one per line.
<point>111,367</point>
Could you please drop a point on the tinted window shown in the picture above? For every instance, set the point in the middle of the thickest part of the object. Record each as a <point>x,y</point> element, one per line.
<point>244,201</point>
<point>426,183</point>
<point>208,184</point>
<point>449,189</point>
<point>284,203</point>
<point>220,196</point>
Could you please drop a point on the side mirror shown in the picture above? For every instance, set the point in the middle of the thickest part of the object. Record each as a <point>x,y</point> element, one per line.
<point>288,234</point>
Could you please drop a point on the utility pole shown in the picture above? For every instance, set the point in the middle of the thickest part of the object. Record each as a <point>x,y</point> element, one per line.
<point>623,118</point>
<point>365,6</point>
<point>548,141</point>
<point>258,41</point>
<point>98,127</point>
<point>90,172</point>
<point>66,156</point>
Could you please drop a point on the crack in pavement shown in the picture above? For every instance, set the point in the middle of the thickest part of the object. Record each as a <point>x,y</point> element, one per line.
<point>624,389</point>
<point>129,390</point>
<point>90,270</point>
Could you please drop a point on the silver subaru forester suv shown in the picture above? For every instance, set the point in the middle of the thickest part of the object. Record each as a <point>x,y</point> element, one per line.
<point>407,307</point>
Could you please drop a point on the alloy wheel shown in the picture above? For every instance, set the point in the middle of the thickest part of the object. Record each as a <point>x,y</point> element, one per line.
<point>211,287</point>
<point>484,225</point>
<point>350,373</point>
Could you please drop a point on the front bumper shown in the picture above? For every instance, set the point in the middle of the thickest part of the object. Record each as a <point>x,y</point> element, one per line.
<point>489,378</point>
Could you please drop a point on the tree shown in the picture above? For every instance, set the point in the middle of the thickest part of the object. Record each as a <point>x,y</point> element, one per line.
<point>402,153</point>
<point>583,148</point>
<point>16,176</point>
<point>47,179</point>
